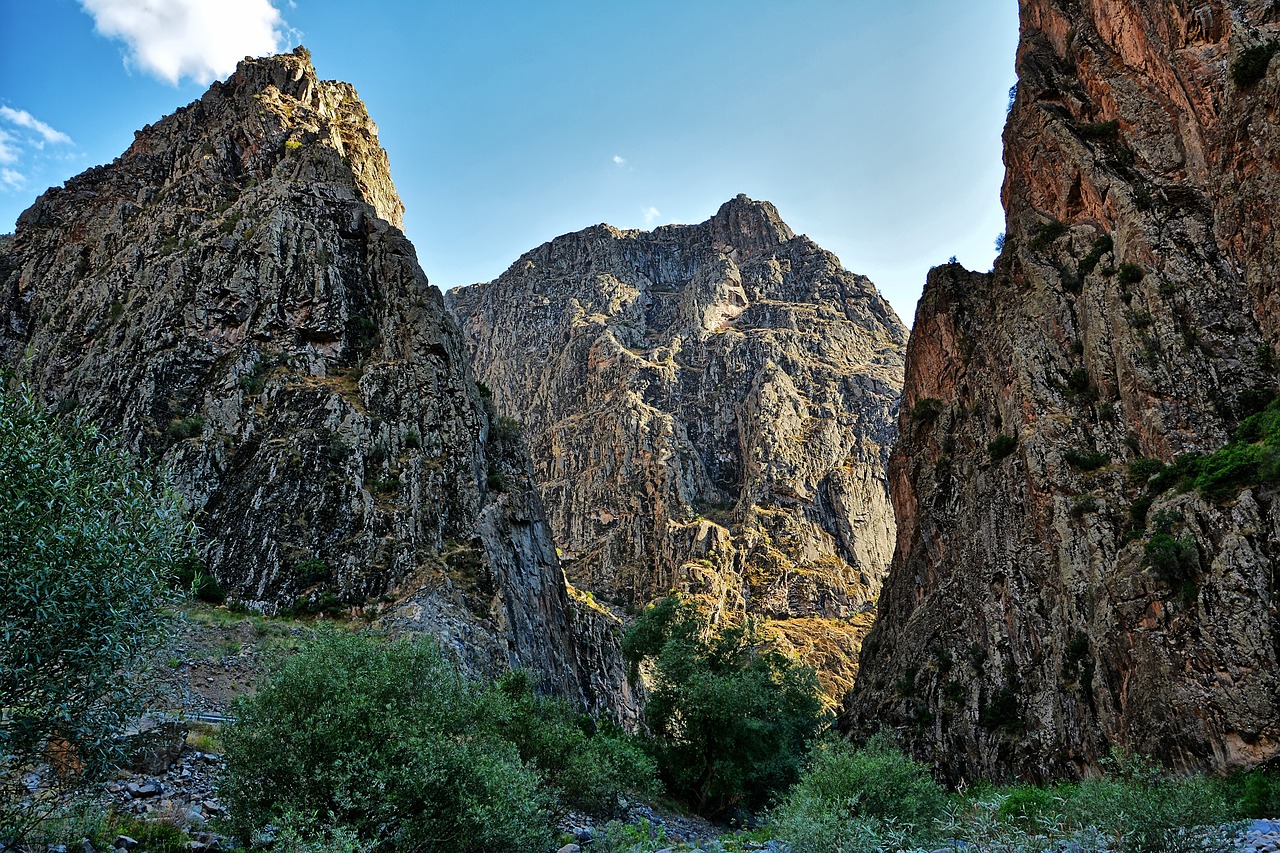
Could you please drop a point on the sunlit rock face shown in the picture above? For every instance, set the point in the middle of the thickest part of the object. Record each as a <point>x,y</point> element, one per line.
<point>709,409</point>
<point>1029,623</point>
<point>234,297</point>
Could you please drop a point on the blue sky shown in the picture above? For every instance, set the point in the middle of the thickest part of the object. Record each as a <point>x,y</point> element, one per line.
<point>873,126</point>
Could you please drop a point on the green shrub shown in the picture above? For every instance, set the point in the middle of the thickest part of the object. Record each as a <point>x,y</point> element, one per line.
<point>589,763</point>
<point>1002,446</point>
<point>184,428</point>
<point>1254,794</point>
<point>1045,233</point>
<point>730,717</point>
<point>1089,262</point>
<point>859,799</point>
<point>189,576</point>
<point>1140,809</point>
<point>383,739</point>
<point>1078,381</point>
<point>1251,65</point>
<point>88,544</point>
<point>1174,561</point>
<point>1086,460</point>
<point>1131,274</point>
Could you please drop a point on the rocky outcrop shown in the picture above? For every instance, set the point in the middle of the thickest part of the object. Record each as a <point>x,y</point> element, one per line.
<point>709,409</point>
<point>1050,598</point>
<point>234,297</point>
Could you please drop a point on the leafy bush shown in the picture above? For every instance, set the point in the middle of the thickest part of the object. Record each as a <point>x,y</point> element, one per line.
<point>1254,794</point>
<point>1174,561</point>
<point>1131,274</point>
<point>1086,460</point>
<point>860,799</point>
<point>1089,262</point>
<point>1140,809</point>
<point>184,428</point>
<point>1002,446</point>
<point>1251,65</point>
<point>731,718</point>
<point>189,576</point>
<point>589,763</point>
<point>87,546</point>
<point>1046,233</point>
<point>382,739</point>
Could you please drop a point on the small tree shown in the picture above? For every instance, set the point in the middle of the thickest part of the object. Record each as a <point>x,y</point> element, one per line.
<point>382,739</point>
<point>731,717</point>
<point>87,544</point>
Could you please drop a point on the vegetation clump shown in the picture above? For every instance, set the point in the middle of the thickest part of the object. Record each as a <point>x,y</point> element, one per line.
<point>1251,65</point>
<point>1002,446</point>
<point>88,544</point>
<point>731,718</point>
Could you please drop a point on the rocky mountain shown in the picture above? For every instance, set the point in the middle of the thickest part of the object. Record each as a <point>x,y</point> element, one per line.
<point>709,409</point>
<point>1066,579</point>
<point>234,297</point>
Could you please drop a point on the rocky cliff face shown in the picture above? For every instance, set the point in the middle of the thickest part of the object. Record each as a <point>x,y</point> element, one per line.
<point>709,409</point>
<point>1051,597</point>
<point>233,295</point>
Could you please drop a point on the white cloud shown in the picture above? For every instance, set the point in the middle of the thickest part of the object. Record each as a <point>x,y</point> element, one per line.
<point>652,215</point>
<point>619,160</point>
<point>8,151</point>
<point>200,39</point>
<point>12,180</point>
<point>22,118</point>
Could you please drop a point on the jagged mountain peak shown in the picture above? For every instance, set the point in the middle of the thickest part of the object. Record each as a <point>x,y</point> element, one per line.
<point>233,296</point>
<point>709,409</point>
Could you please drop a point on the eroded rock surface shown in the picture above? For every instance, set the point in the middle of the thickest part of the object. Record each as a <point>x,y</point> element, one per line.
<point>1024,629</point>
<point>234,297</point>
<point>709,409</point>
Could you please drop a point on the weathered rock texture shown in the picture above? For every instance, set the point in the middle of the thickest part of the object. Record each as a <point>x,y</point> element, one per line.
<point>1132,314</point>
<point>709,409</point>
<point>234,296</point>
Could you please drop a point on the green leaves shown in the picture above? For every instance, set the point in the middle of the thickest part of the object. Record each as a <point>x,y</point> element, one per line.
<point>86,545</point>
<point>731,718</point>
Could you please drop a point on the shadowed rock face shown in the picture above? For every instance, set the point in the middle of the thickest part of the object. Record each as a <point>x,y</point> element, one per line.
<point>709,409</point>
<point>1132,315</point>
<point>233,295</point>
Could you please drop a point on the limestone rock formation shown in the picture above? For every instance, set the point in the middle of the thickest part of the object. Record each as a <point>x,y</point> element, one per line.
<point>234,297</point>
<point>1049,599</point>
<point>709,409</point>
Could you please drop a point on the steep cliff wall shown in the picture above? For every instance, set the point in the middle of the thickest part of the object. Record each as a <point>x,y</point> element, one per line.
<point>709,409</point>
<point>1052,596</point>
<point>233,296</point>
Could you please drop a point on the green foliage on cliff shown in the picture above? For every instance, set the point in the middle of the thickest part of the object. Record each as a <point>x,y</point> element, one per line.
<point>88,544</point>
<point>731,718</point>
<point>1252,63</point>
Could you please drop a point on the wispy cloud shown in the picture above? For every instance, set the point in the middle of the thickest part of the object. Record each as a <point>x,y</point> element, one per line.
<point>619,160</point>
<point>199,39</point>
<point>21,133</point>
<point>22,118</point>
<point>651,215</point>
<point>8,149</point>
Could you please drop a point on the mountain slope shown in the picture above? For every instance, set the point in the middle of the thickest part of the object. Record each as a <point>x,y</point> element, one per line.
<point>1051,597</point>
<point>709,409</point>
<point>234,297</point>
